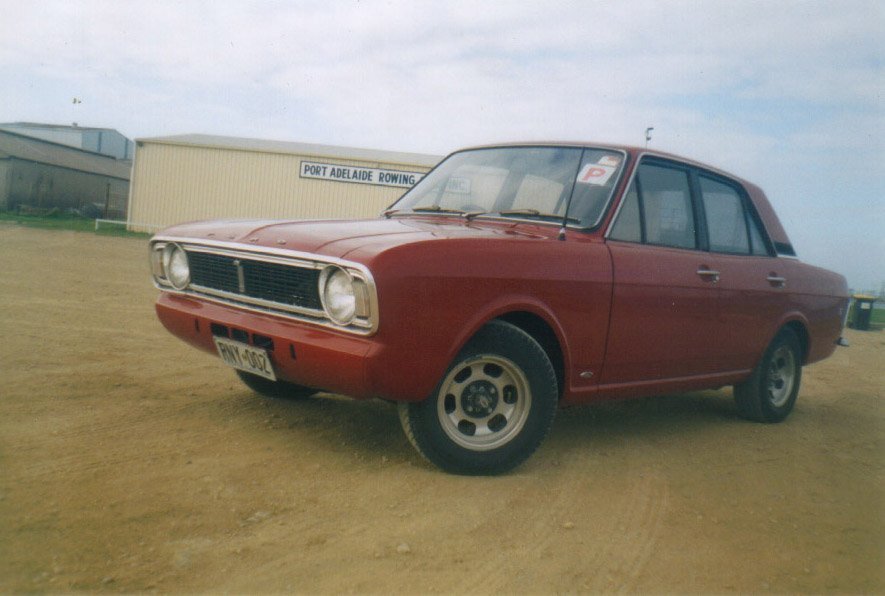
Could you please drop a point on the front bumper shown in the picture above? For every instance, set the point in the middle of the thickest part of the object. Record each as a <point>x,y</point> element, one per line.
<point>301,353</point>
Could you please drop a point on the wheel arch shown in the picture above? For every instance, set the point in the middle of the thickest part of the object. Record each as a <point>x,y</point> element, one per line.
<point>531,317</point>
<point>800,329</point>
<point>543,333</point>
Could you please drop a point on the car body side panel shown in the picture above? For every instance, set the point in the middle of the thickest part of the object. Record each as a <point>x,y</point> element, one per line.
<point>567,284</point>
<point>751,308</point>
<point>664,318</point>
<point>820,298</point>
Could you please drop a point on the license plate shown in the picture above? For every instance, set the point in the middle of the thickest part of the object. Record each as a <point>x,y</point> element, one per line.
<point>244,357</point>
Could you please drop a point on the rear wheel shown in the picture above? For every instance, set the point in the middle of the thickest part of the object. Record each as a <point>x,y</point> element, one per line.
<point>275,389</point>
<point>493,407</point>
<point>770,392</point>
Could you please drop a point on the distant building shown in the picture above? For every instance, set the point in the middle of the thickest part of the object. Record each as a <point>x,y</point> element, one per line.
<point>106,141</point>
<point>191,177</point>
<point>42,175</point>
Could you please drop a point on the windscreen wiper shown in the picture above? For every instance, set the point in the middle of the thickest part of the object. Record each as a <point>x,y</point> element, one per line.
<point>536,213</point>
<point>438,209</point>
<point>468,215</point>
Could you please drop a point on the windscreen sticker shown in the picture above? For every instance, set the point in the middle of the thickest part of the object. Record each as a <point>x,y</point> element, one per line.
<point>459,186</point>
<point>609,160</point>
<point>596,174</point>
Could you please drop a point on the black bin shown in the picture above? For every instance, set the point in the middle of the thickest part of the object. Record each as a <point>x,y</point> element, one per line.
<point>862,311</point>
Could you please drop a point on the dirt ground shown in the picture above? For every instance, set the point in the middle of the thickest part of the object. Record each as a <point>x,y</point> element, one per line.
<point>130,462</point>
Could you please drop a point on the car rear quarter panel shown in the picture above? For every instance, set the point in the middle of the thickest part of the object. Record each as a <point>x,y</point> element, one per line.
<point>817,299</point>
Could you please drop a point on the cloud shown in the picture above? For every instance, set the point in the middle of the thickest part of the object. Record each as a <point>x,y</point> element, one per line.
<point>771,91</point>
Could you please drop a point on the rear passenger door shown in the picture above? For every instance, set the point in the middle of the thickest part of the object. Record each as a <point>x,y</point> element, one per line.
<point>664,314</point>
<point>752,286</point>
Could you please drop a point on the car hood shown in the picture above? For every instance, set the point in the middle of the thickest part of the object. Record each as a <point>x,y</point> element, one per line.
<point>338,238</point>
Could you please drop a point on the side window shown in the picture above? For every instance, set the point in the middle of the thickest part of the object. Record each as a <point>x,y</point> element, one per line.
<point>666,206</point>
<point>757,243</point>
<point>628,226</point>
<point>726,221</point>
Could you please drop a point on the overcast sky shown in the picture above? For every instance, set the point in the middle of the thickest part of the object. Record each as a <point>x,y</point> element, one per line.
<point>786,94</point>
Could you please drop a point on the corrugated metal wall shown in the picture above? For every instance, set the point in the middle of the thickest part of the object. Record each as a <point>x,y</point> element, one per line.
<point>178,183</point>
<point>25,183</point>
<point>5,183</point>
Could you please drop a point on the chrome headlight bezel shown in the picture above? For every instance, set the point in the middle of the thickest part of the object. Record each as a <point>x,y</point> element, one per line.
<point>343,294</point>
<point>176,267</point>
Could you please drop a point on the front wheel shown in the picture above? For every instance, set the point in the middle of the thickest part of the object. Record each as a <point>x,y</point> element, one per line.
<point>493,407</point>
<point>770,392</point>
<point>275,389</point>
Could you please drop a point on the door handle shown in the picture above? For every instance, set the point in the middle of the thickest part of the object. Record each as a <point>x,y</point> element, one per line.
<point>709,274</point>
<point>777,281</point>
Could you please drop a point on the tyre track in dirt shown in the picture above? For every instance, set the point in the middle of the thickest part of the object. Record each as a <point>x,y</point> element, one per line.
<point>607,547</point>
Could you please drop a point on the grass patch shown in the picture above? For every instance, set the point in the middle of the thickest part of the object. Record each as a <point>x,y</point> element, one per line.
<point>67,221</point>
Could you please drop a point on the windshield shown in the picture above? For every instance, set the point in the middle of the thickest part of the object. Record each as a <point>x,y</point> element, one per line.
<point>520,182</point>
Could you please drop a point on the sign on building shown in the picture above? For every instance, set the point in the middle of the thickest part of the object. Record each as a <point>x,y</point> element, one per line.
<point>359,175</point>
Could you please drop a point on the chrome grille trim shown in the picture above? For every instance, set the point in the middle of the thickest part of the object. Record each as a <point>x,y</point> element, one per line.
<point>229,291</point>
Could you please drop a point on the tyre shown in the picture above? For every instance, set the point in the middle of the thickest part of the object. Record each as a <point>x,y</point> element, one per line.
<point>493,407</point>
<point>769,394</point>
<point>276,389</point>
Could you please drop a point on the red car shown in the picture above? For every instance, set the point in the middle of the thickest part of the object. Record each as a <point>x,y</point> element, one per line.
<point>512,280</point>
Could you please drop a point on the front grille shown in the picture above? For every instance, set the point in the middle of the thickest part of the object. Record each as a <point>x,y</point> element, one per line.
<point>213,271</point>
<point>272,282</point>
<point>279,283</point>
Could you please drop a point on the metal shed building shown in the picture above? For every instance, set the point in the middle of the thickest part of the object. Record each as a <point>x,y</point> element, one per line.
<point>193,177</point>
<point>42,175</point>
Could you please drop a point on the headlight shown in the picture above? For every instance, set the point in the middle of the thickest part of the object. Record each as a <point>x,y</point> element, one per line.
<point>175,266</point>
<point>338,295</point>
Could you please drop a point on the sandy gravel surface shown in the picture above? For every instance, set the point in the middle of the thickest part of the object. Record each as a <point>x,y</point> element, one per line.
<point>130,462</point>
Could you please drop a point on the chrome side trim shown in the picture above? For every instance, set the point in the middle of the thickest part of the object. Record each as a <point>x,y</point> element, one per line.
<point>367,326</point>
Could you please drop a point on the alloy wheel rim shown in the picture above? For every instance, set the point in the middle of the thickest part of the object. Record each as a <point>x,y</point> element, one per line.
<point>781,376</point>
<point>484,402</point>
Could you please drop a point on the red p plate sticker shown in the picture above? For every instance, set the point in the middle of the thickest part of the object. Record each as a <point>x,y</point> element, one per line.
<point>597,174</point>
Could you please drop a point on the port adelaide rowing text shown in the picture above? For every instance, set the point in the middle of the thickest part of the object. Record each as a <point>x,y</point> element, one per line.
<point>359,175</point>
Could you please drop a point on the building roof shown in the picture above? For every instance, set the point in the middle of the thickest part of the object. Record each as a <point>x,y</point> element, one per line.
<point>75,127</point>
<point>308,149</point>
<point>18,146</point>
